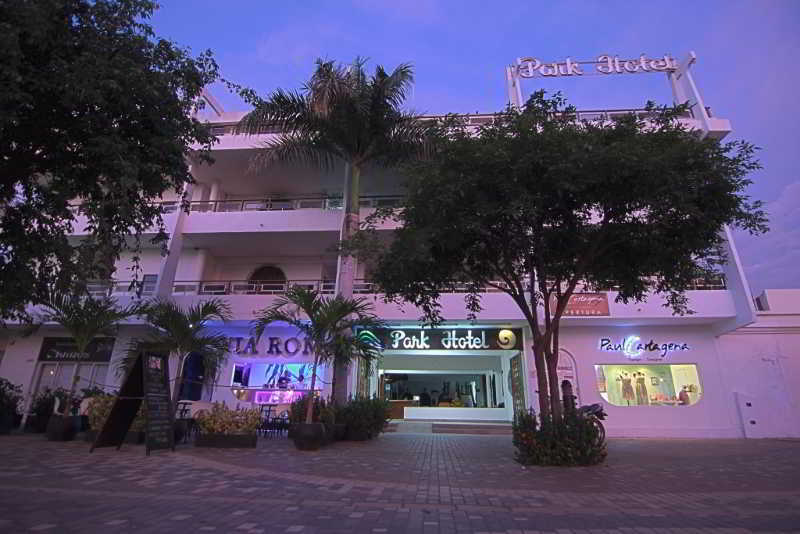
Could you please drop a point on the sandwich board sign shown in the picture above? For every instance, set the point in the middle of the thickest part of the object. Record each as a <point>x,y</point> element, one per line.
<point>147,380</point>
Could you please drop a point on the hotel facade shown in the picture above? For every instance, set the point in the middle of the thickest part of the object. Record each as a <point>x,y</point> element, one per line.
<point>731,369</point>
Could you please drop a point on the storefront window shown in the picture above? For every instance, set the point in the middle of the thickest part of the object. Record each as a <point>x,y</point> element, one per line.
<point>649,384</point>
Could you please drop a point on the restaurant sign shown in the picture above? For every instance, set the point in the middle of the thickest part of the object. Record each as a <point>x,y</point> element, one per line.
<point>64,349</point>
<point>584,305</point>
<point>450,338</point>
<point>531,67</point>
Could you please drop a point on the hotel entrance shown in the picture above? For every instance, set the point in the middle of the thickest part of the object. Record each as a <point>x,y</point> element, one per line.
<point>456,374</point>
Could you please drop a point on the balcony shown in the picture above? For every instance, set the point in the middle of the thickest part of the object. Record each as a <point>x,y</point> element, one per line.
<point>708,298</point>
<point>285,203</point>
<point>277,219</point>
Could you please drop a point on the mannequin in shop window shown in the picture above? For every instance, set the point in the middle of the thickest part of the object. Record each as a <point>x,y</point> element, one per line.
<point>683,397</point>
<point>628,394</point>
<point>641,389</point>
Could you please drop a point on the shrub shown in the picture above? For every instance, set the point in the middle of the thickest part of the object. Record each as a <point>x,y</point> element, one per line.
<point>10,397</point>
<point>574,441</point>
<point>297,411</point>
<point>100,409</point>
<point>223,420</point>
<point>364,416</point>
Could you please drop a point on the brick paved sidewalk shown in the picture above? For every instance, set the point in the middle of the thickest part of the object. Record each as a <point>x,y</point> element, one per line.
<point>400,483</point>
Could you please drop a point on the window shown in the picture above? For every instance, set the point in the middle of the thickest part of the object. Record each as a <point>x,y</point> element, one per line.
<point>649,384</point>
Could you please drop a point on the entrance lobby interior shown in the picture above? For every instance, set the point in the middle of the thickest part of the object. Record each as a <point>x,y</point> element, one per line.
<point>444,385</point>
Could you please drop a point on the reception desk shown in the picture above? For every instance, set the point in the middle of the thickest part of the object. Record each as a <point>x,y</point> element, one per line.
<point>456,414</point>
<point>396,407</point>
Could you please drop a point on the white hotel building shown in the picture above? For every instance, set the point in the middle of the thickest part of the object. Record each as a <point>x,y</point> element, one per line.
<point>731,369</point>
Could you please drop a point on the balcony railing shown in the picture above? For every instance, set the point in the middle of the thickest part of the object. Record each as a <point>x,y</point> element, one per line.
<point>112,288</point>
<point>284,203</point>
<point>360,286</point>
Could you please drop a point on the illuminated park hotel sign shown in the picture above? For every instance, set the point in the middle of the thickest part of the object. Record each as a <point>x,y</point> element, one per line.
<point>449,338</point>
<point>531,67</point>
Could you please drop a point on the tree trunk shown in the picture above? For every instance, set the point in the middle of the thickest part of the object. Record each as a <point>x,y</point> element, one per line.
<point>552,378</point>
<point>310,395</point>
<point>541,382</point>
<point>176,392</point>
<point>346,268</point>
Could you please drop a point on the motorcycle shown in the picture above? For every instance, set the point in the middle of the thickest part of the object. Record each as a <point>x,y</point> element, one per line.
<point>596,414</point>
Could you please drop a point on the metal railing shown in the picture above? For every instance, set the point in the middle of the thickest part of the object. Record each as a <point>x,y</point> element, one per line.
<point>478,119</point>
<point>360,287</point>
<point>284,203</point>
<point>111,288</point>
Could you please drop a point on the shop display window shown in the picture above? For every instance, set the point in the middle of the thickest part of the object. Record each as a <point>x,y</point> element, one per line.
<point>649,384</point>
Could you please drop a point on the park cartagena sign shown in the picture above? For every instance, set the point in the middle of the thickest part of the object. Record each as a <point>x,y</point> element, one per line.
<point>450,338</point>
<point>531,67</point>
<point>634,348</point>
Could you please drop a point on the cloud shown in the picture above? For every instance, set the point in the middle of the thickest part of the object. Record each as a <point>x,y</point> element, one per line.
<point>299,45</point>
<point>421,11</point>
<point>772,261</point>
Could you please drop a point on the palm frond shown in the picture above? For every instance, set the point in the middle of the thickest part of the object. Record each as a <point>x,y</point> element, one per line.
<point>85,317</point>
<point>297,147</point>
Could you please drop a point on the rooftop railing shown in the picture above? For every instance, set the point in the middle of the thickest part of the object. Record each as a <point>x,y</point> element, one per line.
<point>479,119</point>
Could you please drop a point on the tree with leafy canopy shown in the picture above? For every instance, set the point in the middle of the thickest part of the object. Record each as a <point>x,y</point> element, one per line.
<point>540,205</point>
<point>342,115</point>
<point>179,333</point>
<point>331,325</point>
<point>95,110</point>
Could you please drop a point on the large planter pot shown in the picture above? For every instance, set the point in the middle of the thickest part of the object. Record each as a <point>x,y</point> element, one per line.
<point>37,423</point>
<point>61,428</point>
<point>308,436</point>
<point>339,431</point>
<point>227,441</point>
<point>6,422</point>
<point>357,434</point>
<point>181,429</point>
<point>135,437</point>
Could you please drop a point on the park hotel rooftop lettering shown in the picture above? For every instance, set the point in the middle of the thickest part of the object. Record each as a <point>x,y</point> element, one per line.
<point>531,67</point>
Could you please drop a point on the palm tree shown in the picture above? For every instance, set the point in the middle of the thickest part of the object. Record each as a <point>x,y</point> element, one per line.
<point>341,115</point>
<point>85,318</point>
<point>328,323</point>
<point>180,333</point>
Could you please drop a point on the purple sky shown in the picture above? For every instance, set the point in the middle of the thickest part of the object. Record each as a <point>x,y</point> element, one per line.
<point>746,68</point>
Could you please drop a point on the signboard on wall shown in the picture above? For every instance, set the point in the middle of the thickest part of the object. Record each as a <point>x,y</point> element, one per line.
<point>450,338</point>
<point>63,349</point>
<point>584,305</point>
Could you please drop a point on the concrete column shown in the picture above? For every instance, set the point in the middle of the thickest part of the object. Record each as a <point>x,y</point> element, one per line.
<point>169,264</point>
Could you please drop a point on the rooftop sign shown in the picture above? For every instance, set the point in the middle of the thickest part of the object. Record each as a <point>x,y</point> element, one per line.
<point>531,67</point>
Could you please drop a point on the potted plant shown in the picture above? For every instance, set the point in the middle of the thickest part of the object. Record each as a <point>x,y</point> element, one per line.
<point>98,411</point>
<point>328,323</point>
<point>10,399</point>
<point>225,428</point>
<point>86,318</point>
<point>41,410</point>
<point>63,426</point>
<point>180,333</point>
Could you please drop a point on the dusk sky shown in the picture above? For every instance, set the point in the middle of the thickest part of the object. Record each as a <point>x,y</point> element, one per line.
<point>746,69</point>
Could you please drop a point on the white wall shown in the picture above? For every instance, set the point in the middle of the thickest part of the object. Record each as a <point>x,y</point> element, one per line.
<point>149,262</point>
<point>714,416</point>
<point>762,368</point>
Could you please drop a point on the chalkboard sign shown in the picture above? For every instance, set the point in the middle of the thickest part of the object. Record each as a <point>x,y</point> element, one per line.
<point>147,380</point>
<point>159,427</point>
